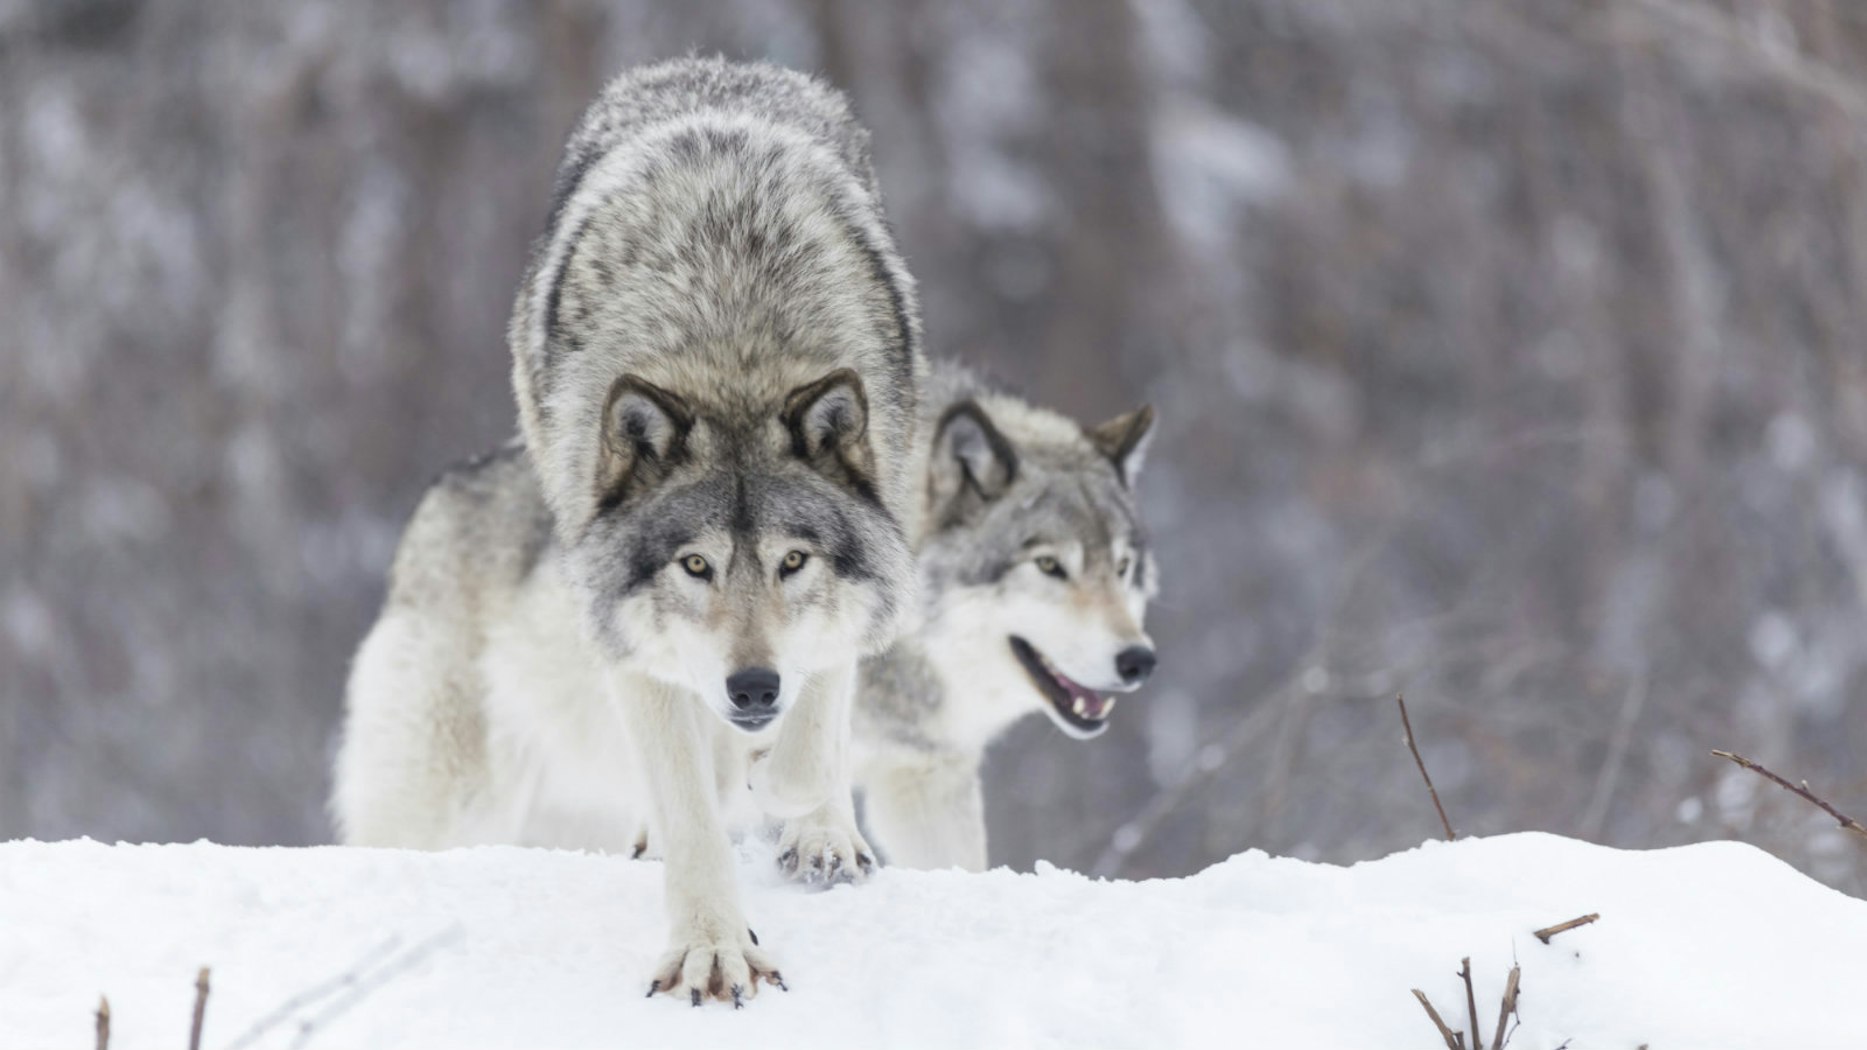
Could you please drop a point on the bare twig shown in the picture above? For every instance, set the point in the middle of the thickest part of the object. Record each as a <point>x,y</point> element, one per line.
<point>200,1009</point>
<point>1595,814</point>
<point>1841,818</point>
<point>1471,1001</point>
<point>1417,760</point>
<point>1547,932</point>
<point>1508,1008</point>
<point>1454,1041</point>
<point>103,1022</point>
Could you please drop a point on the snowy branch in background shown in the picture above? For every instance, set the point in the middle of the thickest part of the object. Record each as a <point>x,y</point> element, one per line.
<point>1418,761</point>
<point>1843,819</point>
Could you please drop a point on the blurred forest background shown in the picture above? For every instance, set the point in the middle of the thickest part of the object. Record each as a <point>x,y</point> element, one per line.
<point>1513,355</point>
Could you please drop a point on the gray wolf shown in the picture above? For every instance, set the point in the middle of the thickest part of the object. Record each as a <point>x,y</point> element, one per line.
<point>660,593</point>
<point>1035,574</point>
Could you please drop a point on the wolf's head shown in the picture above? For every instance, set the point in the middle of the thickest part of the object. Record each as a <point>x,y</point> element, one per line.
<point>736,550</point>
<point>1034,562</point>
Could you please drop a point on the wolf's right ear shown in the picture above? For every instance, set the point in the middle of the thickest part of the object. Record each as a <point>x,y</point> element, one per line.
<point>1124,441</point>
<point>644,429</point>
<point>970,453</point>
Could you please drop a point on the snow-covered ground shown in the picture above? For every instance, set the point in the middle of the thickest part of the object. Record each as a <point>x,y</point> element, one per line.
<point>1703,947</point>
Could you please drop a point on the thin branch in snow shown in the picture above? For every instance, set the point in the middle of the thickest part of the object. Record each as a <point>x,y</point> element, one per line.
<point>1417,760</point>
<point>1843,819</point>
<point>1471,1001</point>
<point>200,1009</point>
<point>1547,932</point>
<point>1505,1010</point>
<point>103,1022</point>
<point>1454,1041</point>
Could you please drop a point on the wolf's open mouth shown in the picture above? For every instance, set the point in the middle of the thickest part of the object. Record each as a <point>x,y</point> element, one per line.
<point>1080,708</point>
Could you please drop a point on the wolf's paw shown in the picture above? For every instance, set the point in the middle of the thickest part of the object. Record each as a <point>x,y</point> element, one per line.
<point>824,849</point>
<point>644,847</point>
<point>728,968</point>
<point>781,796</point>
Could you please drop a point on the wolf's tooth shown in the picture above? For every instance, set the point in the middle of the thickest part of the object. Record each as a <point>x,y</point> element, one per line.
<point>1081,708</point>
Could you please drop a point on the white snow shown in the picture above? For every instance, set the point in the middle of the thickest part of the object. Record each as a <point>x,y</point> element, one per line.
<point>1703,947</point>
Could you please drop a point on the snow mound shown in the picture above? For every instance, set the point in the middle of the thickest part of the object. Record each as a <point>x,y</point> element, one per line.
<point>1708,946</point>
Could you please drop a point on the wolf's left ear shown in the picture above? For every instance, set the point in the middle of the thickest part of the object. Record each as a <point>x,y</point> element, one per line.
<point>828,421</point>
<point>1124,441</point>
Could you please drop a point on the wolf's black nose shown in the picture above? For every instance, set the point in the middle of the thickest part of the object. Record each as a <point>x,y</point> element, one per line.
<point>754,689</point>
<point>1134,664</point>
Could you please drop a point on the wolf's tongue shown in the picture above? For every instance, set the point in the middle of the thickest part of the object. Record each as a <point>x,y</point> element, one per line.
<point>1084,701</point>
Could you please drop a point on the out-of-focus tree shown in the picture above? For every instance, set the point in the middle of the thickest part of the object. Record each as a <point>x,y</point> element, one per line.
<point>1513,355</point>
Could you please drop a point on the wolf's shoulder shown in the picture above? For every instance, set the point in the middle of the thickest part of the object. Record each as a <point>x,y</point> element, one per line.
<point>482,522</point>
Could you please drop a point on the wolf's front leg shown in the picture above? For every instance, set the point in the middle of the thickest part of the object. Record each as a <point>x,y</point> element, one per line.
<point>805,781</point>
<point>711,949</point>
<point>928,814</point>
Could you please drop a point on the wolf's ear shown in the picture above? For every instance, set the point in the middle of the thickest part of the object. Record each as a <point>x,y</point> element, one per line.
<point>828,421</point>
<point>1124,441</point>
<point>644,429</point>
<point>969,452</point>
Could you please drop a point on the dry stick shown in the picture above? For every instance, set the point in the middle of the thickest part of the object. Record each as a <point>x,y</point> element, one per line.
<point>1509,1007</point>
<point>200,1009</point>
<point>103,1022</point>
<point>1843,819</point>
<point>1454,1041</point>
<point>1418,761</point>
<point>1471,1003</point>
<point>1547,932</point>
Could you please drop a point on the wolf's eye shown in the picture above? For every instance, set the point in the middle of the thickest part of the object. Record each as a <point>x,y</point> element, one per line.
<point>1122,567</point>
<point>696,566</point>
<point>1050,566</point>
<point>792,562</point>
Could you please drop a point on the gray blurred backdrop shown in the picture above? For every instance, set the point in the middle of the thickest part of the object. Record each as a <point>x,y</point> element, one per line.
<point>1508,354</point>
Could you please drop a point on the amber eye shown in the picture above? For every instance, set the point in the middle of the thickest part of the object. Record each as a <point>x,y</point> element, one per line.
<point>1121,568</point>
<point>792,562</point>
<point>696,566</point>
<point>1049,566</point>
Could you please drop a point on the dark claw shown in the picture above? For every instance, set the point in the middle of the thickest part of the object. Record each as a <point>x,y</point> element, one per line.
<point>752,933</point>
<point>653,987</point>
<point>865,862</point>
<point>788,860</point>
<point>778,979</point>
<point>640,848</point>
<point>738,1003</point>
<point>694,996</point>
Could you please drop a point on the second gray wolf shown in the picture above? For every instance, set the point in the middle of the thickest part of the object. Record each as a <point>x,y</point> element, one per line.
<point>1035,573</point>
<point>662,590</point>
